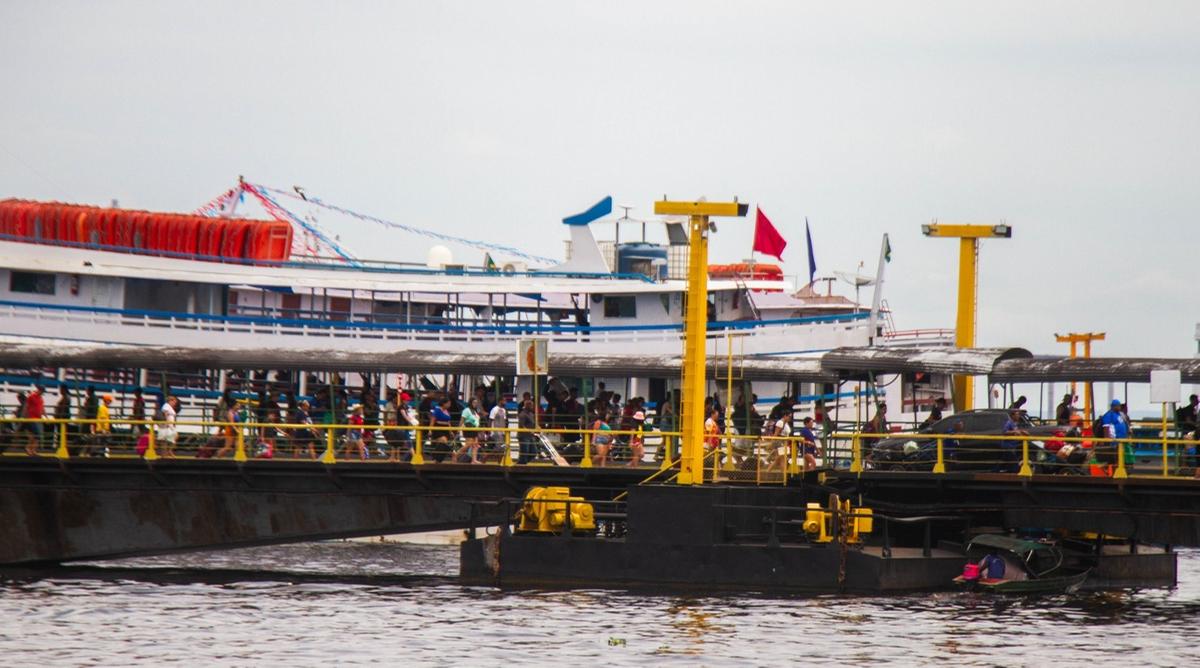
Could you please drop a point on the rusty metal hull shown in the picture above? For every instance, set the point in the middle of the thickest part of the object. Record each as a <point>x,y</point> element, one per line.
<point>100,509</point>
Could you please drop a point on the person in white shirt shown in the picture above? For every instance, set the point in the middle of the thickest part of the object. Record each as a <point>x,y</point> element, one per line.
<point>168,433</point>
<point>498,421</point>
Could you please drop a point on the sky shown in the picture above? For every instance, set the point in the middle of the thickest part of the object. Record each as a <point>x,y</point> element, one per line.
<point>1074,122</point>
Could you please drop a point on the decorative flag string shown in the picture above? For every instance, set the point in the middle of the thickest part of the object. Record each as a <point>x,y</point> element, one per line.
<point>261,190</point>
<point>222,204</point>
<point>280,213</point>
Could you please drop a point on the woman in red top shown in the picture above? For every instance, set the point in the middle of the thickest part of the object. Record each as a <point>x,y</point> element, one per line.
<point>354,437</point>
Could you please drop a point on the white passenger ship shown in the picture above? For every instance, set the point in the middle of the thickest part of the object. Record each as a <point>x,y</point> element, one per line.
<point>96,281</point>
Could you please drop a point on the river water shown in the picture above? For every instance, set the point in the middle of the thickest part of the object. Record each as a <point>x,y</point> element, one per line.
<point>360,603</point>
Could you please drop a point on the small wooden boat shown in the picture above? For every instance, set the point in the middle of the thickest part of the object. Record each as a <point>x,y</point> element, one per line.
<point>1031,567</point>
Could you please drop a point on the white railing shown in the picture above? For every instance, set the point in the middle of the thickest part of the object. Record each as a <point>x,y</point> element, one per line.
<point>115,326</point>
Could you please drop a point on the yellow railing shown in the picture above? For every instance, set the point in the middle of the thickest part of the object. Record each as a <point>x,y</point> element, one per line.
<point>734,458</point>
<point>1021,454</point>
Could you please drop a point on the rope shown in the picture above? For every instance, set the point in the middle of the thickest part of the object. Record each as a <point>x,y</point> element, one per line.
<point>261,189</point>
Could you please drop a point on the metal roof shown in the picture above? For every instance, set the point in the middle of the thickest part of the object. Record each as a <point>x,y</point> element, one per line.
<point>1096,369</point>
<point>99,356</point>
<point>856,362</point>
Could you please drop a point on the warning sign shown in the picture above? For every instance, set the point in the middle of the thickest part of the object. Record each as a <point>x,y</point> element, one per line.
<point>532,357</point>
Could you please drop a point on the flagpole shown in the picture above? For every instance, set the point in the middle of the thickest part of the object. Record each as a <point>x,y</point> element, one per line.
<point>877,299</point>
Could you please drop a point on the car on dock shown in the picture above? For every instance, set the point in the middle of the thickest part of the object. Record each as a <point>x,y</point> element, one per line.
<point>918,451</point>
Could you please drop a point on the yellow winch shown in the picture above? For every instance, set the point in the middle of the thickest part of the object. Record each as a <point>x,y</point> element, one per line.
<point>545,511</point>
<point>819,522</point>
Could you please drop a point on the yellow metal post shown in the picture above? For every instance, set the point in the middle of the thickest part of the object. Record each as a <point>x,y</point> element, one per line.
<point>151,446</point>
<point>418,456</point>
<point>940,465</point>
<point>62,452</point>
<point>1166,468</point>
<point>855,454</point>
<point>1120,473</point>
<point>964,332</point>
<point>586,462</point>
<point>795,454</point>
<point>968,289</point>
<point>507,459</point>
<point>1025,471</point>
<point>330,454</point>
<point>239,454</point>
<point>666,461</point>
<point>691,469</point>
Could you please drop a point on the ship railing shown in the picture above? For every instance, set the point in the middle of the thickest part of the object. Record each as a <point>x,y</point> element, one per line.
<point>58,315</point>
<point>1021,455</point>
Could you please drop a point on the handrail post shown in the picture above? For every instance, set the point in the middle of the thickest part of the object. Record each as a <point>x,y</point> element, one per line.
<point>728,465</point>
<point>1166,468</point>
<point>940,465</point>
<point>666,460</point>
<point>795,454</point>
<point>62,452</point>
<point>1120,473</point>
<point>586,462</point>
<point>507,460</point>
<point>330,455</point>
<point>855,454</point>
<point>151,446</point>
<point>239,454</point>
<point>1025,471</point>
<point>418,455</point>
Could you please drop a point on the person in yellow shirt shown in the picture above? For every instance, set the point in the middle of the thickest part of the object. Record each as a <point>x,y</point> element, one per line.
<point>103,426</point>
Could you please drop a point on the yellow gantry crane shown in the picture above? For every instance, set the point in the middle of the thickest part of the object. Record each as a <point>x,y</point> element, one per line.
<point>968,291</point>
<point>1086,338</point>
<point>691,409</point>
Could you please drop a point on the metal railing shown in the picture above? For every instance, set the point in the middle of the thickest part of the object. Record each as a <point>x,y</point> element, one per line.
<point>752,459</point>
<point>1022,455</point>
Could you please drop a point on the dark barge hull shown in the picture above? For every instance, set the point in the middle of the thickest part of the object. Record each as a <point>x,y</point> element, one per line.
<point>705,538</point>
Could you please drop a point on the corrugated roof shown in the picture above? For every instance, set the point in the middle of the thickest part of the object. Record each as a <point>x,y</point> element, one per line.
<point>99,356</point>
<point>854,362</point>
<point>1095,369</point>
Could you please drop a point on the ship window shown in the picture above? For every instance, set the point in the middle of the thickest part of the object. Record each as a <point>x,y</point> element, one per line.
<point>32,282</point>
<point>620,307</point>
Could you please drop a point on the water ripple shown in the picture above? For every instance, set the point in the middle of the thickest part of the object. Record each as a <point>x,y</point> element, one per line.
<point>357,604</point>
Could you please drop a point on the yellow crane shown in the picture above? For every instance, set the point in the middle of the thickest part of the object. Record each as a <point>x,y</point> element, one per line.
<point>968,291</point>
<point>1086,338</point>
<point>691,409</point>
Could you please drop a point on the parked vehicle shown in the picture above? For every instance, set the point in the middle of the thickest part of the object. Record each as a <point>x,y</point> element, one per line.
<point>961,452</point>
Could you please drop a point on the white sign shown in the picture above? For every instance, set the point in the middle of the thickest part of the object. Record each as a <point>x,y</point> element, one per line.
<point>1165,386</point>
<point>532,357</point>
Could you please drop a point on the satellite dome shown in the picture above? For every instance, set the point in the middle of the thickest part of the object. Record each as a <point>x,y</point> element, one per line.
<point>438,257</point>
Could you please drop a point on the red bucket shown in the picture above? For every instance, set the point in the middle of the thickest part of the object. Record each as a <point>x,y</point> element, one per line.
<point>971,572</point>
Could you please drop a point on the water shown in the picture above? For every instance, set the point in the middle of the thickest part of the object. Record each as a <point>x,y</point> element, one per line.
<point>356,603</point>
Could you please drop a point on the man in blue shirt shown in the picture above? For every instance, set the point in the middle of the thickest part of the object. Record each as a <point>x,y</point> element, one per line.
<point>1010,451</point>
<point>1116,427</point>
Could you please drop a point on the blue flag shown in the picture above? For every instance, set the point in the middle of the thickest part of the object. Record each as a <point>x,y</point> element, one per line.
<point>812,259</point>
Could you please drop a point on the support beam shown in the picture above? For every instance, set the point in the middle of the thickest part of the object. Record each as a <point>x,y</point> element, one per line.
<point>968,289</point>
<point>691,467</point>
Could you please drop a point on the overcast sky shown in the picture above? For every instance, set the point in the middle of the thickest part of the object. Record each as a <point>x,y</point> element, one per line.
<point>1075,122</point>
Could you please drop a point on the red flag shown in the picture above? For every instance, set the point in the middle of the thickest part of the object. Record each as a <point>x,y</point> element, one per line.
<point>767,239</point>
